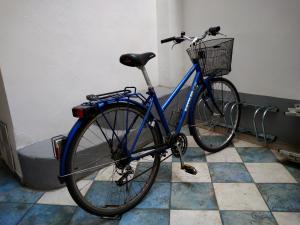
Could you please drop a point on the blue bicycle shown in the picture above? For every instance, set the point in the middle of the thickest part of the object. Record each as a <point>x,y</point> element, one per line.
<point>112,154</point>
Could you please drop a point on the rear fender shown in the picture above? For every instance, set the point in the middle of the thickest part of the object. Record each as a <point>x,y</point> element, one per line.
<point>67,146</point>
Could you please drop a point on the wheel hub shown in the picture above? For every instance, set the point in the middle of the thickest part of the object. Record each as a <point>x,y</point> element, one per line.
<point>121,159</point>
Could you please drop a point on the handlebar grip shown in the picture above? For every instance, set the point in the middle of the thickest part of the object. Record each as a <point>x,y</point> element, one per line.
<point>214,30</point>
<point>167,40</point>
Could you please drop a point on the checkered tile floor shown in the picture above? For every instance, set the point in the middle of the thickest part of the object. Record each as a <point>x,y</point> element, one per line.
<point>243,184</point>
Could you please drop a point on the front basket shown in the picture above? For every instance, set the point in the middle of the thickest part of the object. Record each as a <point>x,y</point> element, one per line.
<point>214,56</point>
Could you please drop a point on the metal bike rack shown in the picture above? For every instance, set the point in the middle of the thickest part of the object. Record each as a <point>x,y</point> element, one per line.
<point>267,138</point>
<point>260,113</point>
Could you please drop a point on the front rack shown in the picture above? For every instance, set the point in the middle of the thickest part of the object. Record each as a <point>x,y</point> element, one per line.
<point>127,92</point>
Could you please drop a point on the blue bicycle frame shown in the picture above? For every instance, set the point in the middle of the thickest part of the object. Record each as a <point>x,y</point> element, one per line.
<point>198,85</point>
<point>153,100</point>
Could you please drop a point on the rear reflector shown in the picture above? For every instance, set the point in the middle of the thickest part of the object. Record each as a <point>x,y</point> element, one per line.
<point>57,145</point>
<point>83,110</point>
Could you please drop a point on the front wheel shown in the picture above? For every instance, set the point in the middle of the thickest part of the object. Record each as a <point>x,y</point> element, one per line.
<point>102,177</point>
<point>215,115</point>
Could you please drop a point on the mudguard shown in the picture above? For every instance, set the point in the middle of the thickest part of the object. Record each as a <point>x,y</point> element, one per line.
<point>76,126</point>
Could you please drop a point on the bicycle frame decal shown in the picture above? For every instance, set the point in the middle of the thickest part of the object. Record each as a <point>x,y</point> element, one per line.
<point>198,76</point>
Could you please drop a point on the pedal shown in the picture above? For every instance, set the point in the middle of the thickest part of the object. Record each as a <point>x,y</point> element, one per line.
<point>189,169</point>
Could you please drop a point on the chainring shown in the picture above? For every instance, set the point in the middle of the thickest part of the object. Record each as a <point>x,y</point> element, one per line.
<point>179,142</point>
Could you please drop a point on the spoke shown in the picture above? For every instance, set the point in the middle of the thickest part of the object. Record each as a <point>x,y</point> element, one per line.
<point>126,130</point>
<point>102,131</point>
<point>131,125</point>
<point>88,140</point>
<point>82,146</point>
<point>93,132</point>
<point>114,127</point>
<point>94,167</point>
<point>92,163</point>
<point>110,127</point>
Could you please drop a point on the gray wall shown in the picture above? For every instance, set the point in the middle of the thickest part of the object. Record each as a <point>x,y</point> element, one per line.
<point>266,52</point>
<point>286,128</point>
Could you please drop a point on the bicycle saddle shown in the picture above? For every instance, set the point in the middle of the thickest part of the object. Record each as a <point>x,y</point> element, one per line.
<point>136,60</point>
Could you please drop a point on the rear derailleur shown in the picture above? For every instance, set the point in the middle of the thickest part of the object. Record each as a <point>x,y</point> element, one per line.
<point>126,173</point>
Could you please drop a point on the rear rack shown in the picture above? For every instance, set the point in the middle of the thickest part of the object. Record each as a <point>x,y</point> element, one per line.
<point>127,92</point>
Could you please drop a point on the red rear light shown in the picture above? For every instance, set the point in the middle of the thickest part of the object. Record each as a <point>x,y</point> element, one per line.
<point>84,110</point>
<point>78,111</point>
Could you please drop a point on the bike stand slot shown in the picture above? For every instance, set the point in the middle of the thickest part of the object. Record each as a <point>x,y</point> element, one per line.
<point>260,113</point>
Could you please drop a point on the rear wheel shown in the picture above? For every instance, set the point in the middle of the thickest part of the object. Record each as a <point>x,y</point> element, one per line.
<point>102,178</point>
<point>211,128</point>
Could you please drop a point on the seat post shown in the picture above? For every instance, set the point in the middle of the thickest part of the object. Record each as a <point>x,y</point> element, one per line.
<point>144,71</point>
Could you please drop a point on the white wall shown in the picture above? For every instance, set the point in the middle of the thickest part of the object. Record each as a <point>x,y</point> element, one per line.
<point>53,53</point>
<point>170,23</point>
<point>266,59</point>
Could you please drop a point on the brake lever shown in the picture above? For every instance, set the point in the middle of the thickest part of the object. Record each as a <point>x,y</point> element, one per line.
<point>222,34</point>
<point>174,43</point>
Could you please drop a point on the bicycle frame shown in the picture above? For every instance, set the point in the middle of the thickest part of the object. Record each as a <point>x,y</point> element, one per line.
<point>199,84</point>
<point>153,100</point>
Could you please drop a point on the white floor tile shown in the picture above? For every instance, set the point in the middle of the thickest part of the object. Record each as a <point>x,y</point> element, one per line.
<point>239,196</point>
<point>287,218</point>
<point>195,217</point>
<point>107,174</point>
<point>62,196</point>
<point>179,175</point>
<point>242,143</point>
<point>191,142</point>
<point>226,155</point>
<point>269,173</point>
<point>206,132</point>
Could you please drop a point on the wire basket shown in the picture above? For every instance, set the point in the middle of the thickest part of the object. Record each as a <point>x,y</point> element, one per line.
<point>214,56</point>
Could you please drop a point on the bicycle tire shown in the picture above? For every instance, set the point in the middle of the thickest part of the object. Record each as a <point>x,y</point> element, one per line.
<point>193,125</point>
<point>70,180</point>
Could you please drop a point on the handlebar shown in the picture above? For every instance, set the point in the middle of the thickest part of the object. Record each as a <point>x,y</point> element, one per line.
<point>177,40</point>
<point>167,40</point>
<point>213,31</point>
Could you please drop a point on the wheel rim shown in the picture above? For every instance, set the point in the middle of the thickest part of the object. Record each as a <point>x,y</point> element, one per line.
<point>114,182</point>
<point>213,129</point>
